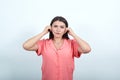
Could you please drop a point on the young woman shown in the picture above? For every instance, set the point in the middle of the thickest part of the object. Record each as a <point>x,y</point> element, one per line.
<point>58,51</point>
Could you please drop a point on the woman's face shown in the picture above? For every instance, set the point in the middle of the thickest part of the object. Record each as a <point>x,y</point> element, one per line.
<point>58,29</point>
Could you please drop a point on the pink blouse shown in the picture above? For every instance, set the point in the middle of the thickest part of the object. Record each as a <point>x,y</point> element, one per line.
<point>57,64</point>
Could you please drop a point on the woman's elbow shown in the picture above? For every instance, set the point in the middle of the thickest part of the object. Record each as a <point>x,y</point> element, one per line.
<point>25,46</point>
<point>29,47</point>
<point>87,50</point>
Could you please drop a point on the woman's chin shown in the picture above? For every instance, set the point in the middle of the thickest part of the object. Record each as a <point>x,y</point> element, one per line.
<point>57,36</point>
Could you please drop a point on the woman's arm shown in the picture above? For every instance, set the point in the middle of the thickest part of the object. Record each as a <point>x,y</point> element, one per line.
<point>30,44</point>
<point>83,45</point>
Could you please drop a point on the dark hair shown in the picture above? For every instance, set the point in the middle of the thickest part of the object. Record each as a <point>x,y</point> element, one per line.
<point>62,19</point>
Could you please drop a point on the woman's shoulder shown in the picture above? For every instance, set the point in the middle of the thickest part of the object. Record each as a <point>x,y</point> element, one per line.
<point>69,40</point>
<point>44,40</point>
<point>47,40</point>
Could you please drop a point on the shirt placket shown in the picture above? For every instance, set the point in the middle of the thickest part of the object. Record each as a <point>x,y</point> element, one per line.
<point>58,65</point>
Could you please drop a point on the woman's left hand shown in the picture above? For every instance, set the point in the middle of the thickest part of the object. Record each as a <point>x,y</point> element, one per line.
<point>70,31</point>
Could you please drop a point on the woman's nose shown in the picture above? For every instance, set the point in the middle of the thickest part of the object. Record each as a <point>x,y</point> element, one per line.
<point>58,29</point>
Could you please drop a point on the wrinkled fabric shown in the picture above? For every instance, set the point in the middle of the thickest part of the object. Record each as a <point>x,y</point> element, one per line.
<point>57,64</point>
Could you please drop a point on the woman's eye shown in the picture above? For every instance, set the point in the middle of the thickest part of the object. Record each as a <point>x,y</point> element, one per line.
<point>62,26</point>
<point>55,25</point>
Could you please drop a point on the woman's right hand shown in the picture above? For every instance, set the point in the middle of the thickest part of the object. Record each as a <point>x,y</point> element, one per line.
<point>31,44</point>
<point>47,29</point>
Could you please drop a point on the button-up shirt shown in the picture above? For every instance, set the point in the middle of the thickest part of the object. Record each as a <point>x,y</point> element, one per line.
<point>57,64</point>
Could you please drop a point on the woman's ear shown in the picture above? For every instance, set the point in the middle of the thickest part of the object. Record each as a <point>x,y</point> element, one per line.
<point>66,31</point>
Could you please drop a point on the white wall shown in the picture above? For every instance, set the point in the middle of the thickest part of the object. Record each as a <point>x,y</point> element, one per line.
<point>96,21</point>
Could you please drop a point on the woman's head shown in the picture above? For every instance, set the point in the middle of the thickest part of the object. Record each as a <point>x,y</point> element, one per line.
<point>58,27</point>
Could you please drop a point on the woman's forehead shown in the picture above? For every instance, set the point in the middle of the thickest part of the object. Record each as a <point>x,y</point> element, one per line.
<point>58,23</point>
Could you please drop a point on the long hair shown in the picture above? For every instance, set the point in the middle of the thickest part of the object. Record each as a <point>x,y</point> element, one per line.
<point>62,19</point>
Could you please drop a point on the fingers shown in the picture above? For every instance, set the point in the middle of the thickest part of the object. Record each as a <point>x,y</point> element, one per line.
<point>49,28</point>
<point>68,29</point>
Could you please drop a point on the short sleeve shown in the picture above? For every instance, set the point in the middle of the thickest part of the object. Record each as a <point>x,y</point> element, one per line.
<point>40,47</point>
<point>75,49</point>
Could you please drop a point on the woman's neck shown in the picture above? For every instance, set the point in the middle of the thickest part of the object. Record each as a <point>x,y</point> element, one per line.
<point>57,40</point>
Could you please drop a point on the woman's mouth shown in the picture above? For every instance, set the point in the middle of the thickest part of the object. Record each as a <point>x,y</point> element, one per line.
<point>57,33</point>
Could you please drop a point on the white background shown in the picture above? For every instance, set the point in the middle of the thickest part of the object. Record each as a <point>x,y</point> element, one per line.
<point>95,21</point>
